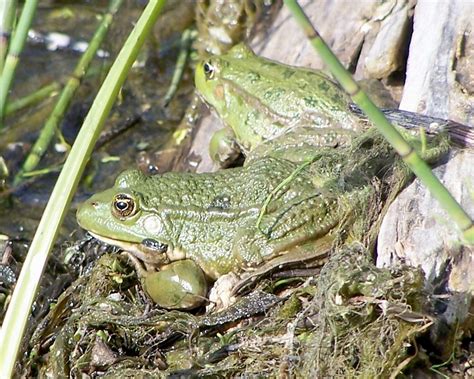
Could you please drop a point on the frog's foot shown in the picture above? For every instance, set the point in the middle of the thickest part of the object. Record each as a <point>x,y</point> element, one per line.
<point>223,148</point>
<point>220,295</point>
<point>431,148</point>
<point>178,285</point>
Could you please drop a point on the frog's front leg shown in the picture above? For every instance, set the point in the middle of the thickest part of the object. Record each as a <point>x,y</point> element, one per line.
<point>223,147</point>
<point>178,285</point>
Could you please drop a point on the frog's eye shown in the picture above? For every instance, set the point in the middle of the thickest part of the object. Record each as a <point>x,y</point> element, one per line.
<point>209,70</point>
<point>124,206</point>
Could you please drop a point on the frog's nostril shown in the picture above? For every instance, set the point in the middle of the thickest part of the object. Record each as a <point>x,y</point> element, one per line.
<point>95,204</point>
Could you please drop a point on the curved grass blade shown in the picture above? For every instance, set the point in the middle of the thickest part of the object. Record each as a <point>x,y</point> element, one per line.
<point>403,148</point>
<point>185,43</point>
<point>25,290</point>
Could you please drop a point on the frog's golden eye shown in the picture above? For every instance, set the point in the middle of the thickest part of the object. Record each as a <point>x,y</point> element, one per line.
<point>124,206</point>
<point>209,70</point>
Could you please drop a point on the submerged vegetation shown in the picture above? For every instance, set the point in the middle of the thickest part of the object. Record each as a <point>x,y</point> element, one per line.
<point>92,316</point>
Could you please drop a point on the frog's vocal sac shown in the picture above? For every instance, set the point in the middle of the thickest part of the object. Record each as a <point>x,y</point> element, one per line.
<point>311,173</point>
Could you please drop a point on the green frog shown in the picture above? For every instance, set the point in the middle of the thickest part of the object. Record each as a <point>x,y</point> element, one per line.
<point>305,186</point>
<point>261,100</point>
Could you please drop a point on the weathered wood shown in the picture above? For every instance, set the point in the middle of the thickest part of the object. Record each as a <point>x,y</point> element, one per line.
<point>199,147</point>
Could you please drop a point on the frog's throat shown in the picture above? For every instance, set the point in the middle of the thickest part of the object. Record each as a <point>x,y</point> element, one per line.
<point>142,252</point>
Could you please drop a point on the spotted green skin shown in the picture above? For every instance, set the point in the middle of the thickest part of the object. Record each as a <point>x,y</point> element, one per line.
<point>260,100</point>
<point>211,218</point>
<point>307,177</point>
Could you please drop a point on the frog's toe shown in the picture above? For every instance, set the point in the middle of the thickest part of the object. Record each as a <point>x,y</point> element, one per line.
<point>220,295</point>
<point>223,148</point>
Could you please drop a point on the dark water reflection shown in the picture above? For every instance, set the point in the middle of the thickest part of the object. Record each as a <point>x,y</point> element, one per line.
<point>138,124</point>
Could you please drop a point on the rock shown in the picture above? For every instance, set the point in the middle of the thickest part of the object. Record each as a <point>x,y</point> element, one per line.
<point>418,232</point>
<point>440,70</point>
<point>368,32</point>
<point>415,229</point>
<point>387,51</point>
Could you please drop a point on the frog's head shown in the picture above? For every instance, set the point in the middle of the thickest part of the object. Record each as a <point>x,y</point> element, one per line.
<point>209,84</point>
<point>212,74</point>
<point>118,216</point>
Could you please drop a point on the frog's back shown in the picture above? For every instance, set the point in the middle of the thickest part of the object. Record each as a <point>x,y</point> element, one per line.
<point>289,91</point>
<point>242,186</point>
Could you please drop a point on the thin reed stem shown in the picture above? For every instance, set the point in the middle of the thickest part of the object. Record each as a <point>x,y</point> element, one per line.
<point>32,98</point>
<point>7,19</point>
<point>14,51</point>
<point>185,43</point>
<point>51,125</point>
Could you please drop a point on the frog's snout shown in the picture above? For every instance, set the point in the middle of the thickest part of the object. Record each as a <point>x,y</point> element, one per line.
<point>87,213</point>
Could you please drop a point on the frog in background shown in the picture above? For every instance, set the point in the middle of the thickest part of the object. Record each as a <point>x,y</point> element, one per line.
<point>260,100</point>
<point>315,176</point>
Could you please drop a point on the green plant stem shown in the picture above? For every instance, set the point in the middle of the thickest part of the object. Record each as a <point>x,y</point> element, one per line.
<point>408,154</point>
<point>51,125</point>
<point>32,98</point>
<point>14,51</point>
<point>7,19</point>
<point>26,287</point>
<point>185,43</point>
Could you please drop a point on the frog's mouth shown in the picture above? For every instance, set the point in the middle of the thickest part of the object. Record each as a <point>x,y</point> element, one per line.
<point>149,250</point>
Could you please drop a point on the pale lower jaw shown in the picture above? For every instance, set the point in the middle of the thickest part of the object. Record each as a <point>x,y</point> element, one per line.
<point>131,247</point>
<point>127,246</point>
<point>144,253</point>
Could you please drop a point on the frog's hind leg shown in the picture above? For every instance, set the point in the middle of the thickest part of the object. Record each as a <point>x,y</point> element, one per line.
<point>283,230</point>
<point>302,143</point>
<point>309,257</point>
